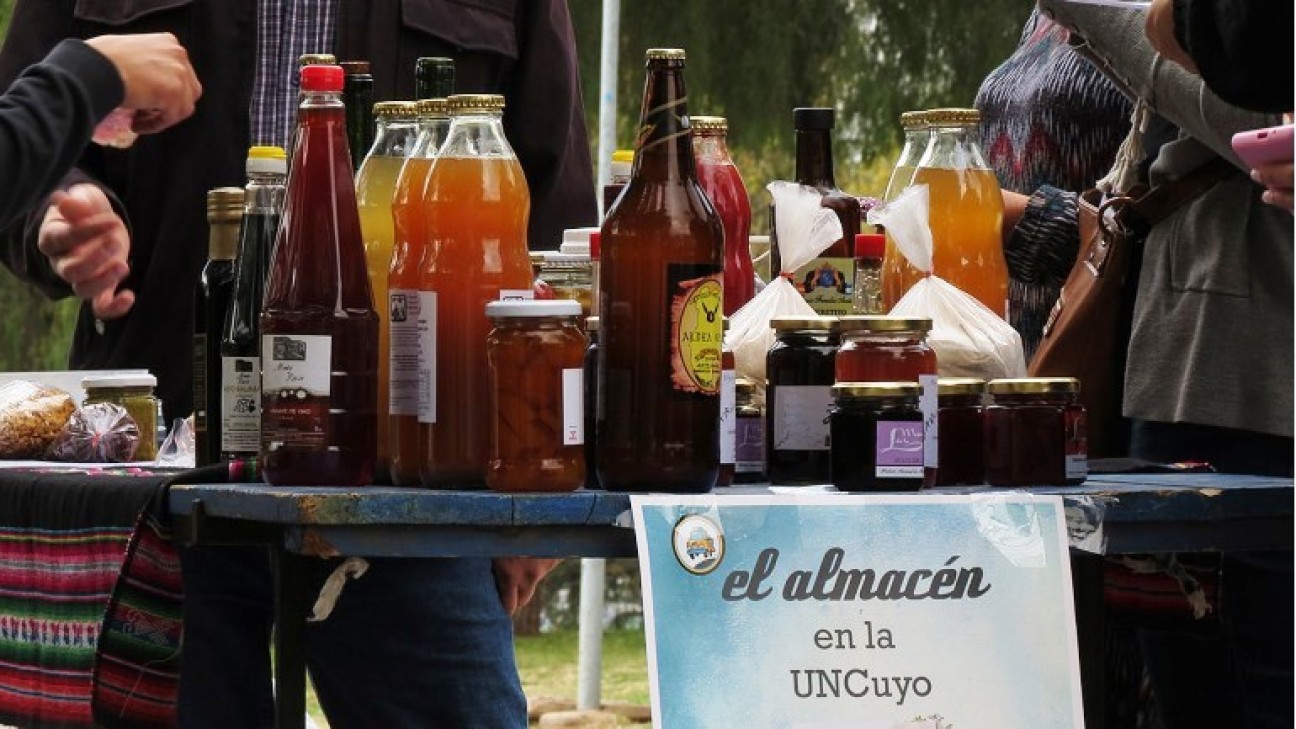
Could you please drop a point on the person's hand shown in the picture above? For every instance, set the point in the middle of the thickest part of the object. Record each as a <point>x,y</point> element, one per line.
<point>1277,179</point>
<point>516,579</point>
<point>87,245</point>
<point>1159,27</point>
<point>160,84</point>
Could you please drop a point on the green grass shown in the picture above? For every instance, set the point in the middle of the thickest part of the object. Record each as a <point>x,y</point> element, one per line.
<point>547,664</point>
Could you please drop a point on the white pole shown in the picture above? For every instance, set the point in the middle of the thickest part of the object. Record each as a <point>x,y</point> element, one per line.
<point>607,142</point>
<point>589,666</point>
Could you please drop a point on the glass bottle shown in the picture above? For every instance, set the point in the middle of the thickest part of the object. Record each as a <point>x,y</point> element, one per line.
<point>814,168</point>
<point>398,129</point>
<point>722,182</point>
<point>407,391</point>
<point>661,302</point>
<point>869,252</point>
<point>917,131</point>
<point>475,208</point>
<point>966,215</point>
<point>622,161</point>
<point>357,95</point>
<point>800,369</point>
<point>240,348</point>
<point>319,332</point>
<point>434,77</point>
<point>224,210</point>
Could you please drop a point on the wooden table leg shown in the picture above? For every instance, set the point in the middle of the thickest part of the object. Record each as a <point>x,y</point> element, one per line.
<point>1087,584</point>
<point>290,639</point>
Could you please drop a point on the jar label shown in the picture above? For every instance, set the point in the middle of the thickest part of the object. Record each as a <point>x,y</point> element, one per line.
<point>697,297</point>
<point>240,404</point>
<point>827,285</point>
<point>929,404</point>
<point>899,449</point>
<point>427,356</point>
<point>403,307</point>
<point>728,416</point>
<point>296,383</point>
<point>801,417</point>
<point>573,405</point>
<point>749,445</point>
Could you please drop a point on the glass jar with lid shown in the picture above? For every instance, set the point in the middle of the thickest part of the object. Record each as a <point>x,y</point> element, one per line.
<point>884,349</point>
<point>960,433</point>
<point>799,368</point>
<point>749,439</point>
<point>877,436</point>
<point>916,132</point>
<point>536,355</point>
<point>134,393</point>
<point>569,276</point>
<point>1035,432</point>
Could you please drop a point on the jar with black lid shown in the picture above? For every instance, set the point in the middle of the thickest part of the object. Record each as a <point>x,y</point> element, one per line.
<point>960,432</point>
<point>877,436</point>
<point>799,368</point>
<point>1035,432</point>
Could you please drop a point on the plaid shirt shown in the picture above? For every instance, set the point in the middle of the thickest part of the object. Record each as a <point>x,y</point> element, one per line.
<point>286,29</point>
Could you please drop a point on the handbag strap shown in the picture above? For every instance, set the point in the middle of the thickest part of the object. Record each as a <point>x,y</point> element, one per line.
<point>1158,203</point>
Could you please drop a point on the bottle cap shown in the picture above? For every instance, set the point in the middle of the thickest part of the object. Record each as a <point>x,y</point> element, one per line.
<point>577,241</point>
<point>913,120</point>
<point>870,245</point>
<point>953,117</point>
<point>321,78</point>
<point>475,103</point>
<point>355,68</point>
<point>596,244</point>
<point>224,204</point>
<point>434,108</point>
<point>316,59</point>
<point>715,125</point>
<point>591,323</point>
<point>396,110</point>
<point>436,74</point>
<point>664,54</point>
<point>533,307</point>
<point>812,118</point>
<point>267,160</point>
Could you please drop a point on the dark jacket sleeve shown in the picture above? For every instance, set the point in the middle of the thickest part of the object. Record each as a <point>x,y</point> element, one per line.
<point>46,119</point>
<point>1243,49</point>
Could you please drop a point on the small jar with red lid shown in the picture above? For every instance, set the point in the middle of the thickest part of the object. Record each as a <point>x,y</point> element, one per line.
<point>867,296</point>
<point>1035,433</point>
<point>884,349</point>
<point>960,433</point>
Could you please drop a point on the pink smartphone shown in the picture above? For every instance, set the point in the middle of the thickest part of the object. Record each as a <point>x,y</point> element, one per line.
<point>1260,147</point>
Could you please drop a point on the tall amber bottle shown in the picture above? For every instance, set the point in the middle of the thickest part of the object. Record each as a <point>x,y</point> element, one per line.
<point>661,305</point>
<point>319,332</point>
<point>475,209</point>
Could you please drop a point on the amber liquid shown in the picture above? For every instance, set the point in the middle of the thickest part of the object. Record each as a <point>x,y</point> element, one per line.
<point>475,225</point>
<point>966,224</point>
<point>317,286</point>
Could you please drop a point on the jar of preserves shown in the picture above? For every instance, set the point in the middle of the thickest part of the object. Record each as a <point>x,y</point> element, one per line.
<point>1035,433</point>
<point>960,433</point>
<point>799,368</point>
<point>591,403</point>
<point>749,436</point>
<point>884,349</point>
<point>134,393</point>
<point>569,276</point>
<point>536,356</point>
<point>877,435</point>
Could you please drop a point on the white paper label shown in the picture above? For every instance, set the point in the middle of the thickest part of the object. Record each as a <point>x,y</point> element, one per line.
<point>427,325</point>
<point>516,294</point>
<point>403,306</point>
<point>728,416</point>
<point>1077,466</point>
<point>240,404</point>
<point>300,365</point>
<point>801,417</point>
<point>929,405</point>
<point>573,398</point>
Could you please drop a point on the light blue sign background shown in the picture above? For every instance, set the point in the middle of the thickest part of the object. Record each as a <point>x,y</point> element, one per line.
<point>1005,660</point>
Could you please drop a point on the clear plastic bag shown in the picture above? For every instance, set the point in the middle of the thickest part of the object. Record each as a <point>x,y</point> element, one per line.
<point>31,416</point>
<point>101,432</point>
<point>177,451</point>
<point>970,340</point>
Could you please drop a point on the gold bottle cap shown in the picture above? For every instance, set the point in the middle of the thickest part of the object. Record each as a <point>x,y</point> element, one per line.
<point>716,125</point>
<point>396,110</point>
<point>664,54</point>
<point>592,323</point>
<point>224,204</point>
<point>624,155</point>
<point>474,103</point>
<point>884,324</point>
<point>1034,386</point>
<point>914,120</point>
<point>316,59</point>
<point>952,117</point>
<point>433,108</point>
<point>804,323</point>
<point>876,389</point>
<point>960,386</point>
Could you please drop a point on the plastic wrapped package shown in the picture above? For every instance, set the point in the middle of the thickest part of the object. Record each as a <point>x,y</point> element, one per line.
<point>101,432</point>
<point>31,416</point>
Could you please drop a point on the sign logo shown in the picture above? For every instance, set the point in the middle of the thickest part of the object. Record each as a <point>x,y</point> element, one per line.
<point>698,543</point>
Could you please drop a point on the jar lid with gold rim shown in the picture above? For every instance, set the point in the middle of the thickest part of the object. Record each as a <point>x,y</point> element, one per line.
<point>664,54</point>
<point>804,323</point>
<point>475,103</point>
<point>710,125</point>
<point>592,323</point>
<point>1034,386</point>
<point>914,120</point>
<point>960,386</point>
<point>875,324</point>
<point>396,110</point>
<point>857,390</point>
<point>434,108</point>
<point>316,59</point>
<point>952,117</point>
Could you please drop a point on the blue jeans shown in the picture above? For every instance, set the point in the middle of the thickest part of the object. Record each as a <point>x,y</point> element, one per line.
<point>412,643</point>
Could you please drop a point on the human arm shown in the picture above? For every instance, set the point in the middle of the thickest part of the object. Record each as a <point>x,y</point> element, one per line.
<point>1041,234</point>
<point>516,578</point>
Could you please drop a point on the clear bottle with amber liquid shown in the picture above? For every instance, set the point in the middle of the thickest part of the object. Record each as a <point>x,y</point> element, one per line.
<point>319,332</point>
<point>661,307</point>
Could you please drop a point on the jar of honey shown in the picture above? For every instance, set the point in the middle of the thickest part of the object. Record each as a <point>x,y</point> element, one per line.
<point>1035,433</point>
<point>877,436</point>
<point>884,349</point>
<point>536,352</point>
<point>799,368</point>
<point>960,433</point>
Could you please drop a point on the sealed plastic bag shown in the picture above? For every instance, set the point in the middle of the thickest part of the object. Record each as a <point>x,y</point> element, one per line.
<point>101,432</point>
<point>805,229</point>
<point>970,340</point>
<point>31,416</point>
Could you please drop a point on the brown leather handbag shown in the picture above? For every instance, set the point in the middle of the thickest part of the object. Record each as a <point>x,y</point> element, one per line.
<point>1087,332</point>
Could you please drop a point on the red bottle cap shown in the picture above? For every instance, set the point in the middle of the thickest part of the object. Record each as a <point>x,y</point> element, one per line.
<point>595,244</point>
<point>869,245</point>
<point>321,78</point>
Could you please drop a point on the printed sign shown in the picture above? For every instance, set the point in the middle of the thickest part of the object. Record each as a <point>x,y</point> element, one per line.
<point>828,611</point>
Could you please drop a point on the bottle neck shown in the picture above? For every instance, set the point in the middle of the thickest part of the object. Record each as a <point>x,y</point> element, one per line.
<point>396,137</point>
<point>321,100</point>
<point>954,147</point>
<point>814,162</point>
<point>264,194</point>
<point>664,150</point>
<point>222,244</point>
<point>711,149</point>
<point>475,135</point>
